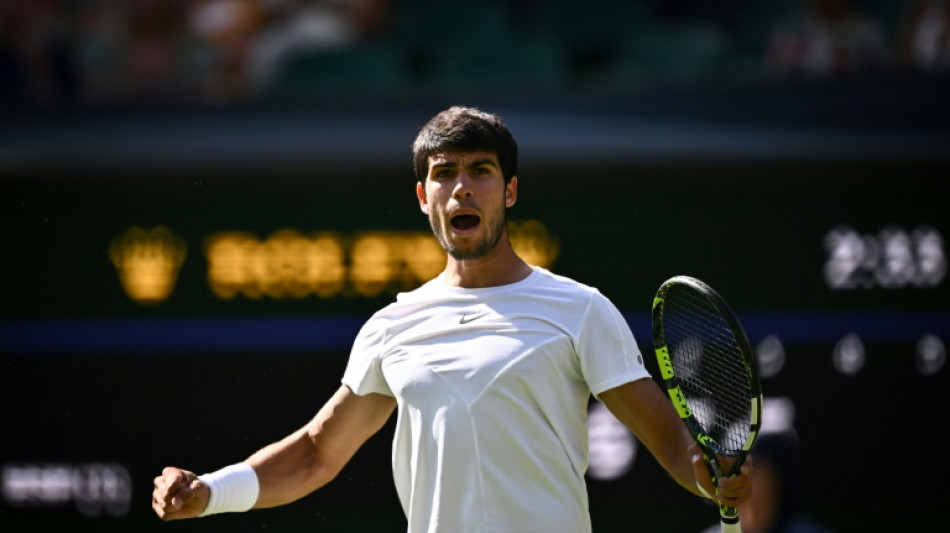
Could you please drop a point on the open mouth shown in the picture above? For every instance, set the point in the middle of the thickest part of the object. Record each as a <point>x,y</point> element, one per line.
<point>463,222</point>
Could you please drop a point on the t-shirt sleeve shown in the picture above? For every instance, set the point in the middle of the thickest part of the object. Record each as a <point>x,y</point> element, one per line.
<point>364,373</point>
<point>608,352</point>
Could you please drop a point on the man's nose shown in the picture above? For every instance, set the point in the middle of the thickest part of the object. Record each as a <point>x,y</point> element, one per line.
<point>463,186</point>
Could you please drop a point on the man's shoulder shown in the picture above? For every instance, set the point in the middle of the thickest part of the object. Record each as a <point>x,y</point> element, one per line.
<point>562,282</point>
<point>561,288</point>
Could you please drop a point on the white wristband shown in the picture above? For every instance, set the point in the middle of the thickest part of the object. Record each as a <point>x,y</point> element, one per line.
<point>234,489</point>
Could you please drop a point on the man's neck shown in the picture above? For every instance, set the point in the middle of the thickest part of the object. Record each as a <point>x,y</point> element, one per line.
<point>500,267</point>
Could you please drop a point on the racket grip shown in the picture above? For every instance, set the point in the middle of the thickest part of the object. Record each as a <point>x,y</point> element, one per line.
<point>729,519</point>
<point>730,528</point>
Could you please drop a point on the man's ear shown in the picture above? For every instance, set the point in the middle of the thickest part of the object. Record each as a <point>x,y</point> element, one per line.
<point>421,194</point>
<point>511,192</point>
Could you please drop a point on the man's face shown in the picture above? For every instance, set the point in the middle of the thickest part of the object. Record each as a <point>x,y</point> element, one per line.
<point>465,197</point>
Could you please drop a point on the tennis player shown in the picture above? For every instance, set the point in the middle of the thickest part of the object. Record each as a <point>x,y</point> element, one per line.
<point>489,367</point>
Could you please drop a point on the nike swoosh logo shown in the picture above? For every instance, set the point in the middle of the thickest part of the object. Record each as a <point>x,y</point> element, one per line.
<point>468,318</point>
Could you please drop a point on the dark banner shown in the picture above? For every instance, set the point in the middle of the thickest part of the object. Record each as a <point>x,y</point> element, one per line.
<point>788,236</point>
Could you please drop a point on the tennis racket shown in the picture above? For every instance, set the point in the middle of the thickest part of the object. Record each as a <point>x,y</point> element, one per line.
<point>710,374</point>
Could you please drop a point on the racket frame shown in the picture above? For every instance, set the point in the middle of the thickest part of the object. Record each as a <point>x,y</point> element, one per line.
<point>709,446</point>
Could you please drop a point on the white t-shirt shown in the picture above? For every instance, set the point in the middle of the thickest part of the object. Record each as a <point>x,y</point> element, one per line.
<point>492,387</point>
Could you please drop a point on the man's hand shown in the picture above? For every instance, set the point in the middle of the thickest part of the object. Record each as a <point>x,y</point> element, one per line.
<point>179,494</point>
<point>731,491</point>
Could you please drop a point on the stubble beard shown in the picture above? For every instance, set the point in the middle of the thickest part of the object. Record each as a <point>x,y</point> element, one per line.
<point>477,250</point>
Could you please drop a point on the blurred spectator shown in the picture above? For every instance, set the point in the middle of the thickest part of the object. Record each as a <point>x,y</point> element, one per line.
<point>133,52</point>
<point>37,40</point>
<point>776,505</point>
<point>924,36</point>
<point>827,38</point>
<point>100,44</point>
<point>224,30</point>
<point>154,48</point>
<point>305,25</point>
<point>166,51</point>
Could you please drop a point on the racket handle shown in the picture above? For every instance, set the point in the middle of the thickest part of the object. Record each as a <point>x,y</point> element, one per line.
<point>729,519</point>
<point>731,528</point>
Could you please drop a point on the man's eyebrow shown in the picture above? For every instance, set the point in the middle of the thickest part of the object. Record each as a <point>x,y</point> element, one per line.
<point>485,161</point>
<point>475,163</point>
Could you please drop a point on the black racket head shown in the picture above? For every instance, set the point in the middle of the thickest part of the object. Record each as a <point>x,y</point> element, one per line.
<point>707,365</point>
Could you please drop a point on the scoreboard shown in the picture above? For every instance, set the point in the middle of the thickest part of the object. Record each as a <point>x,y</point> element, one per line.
<point>153,317</point>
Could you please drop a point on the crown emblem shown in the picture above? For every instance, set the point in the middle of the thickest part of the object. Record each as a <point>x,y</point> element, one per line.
<point>147,261</point>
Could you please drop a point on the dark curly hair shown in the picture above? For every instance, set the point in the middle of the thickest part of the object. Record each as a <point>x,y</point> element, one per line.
<point>465,129</point>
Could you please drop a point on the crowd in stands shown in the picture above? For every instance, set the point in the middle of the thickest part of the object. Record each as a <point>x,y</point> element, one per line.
<point>100,52</point>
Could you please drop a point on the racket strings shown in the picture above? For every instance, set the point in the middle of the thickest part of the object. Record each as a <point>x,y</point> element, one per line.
<point>709,366</point>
